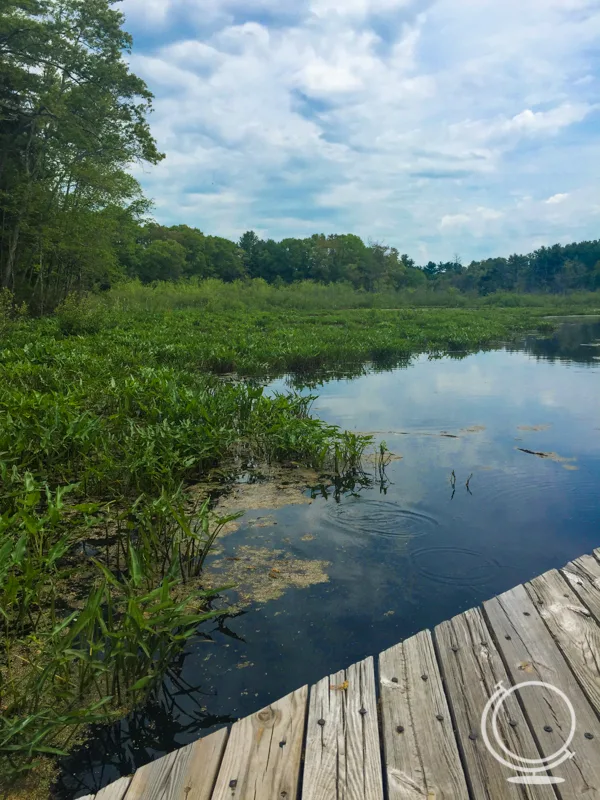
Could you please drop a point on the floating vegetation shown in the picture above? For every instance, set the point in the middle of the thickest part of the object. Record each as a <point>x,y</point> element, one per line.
<point>260,574</point>
<point>542,427</point>
<point>473,429</point>
<point>566,463</point>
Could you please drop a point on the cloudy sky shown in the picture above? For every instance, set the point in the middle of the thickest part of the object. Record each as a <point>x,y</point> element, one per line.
<point>440,127</point>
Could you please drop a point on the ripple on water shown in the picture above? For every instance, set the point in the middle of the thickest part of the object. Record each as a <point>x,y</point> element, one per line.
<point>454,565</point>
<point>380,517</point>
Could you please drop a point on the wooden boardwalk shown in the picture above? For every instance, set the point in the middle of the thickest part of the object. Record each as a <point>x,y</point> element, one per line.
<point>409,727</point>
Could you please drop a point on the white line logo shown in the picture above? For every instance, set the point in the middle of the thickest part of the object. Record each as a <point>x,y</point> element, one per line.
<point>532,769</point>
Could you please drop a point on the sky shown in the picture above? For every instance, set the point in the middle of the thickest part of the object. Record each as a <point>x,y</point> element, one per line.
<point>440,127</point>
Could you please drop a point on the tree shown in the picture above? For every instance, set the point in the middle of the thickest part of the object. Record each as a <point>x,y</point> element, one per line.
<point>72,120</point>
<point>162,260</point>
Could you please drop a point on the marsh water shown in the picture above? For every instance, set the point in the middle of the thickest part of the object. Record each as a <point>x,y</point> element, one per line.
<point>469,510</point>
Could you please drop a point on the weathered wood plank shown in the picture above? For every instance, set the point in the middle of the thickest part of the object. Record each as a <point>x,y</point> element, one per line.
<point>151,780</point>
<point>114,791</point>
<point>530,653</point>
<point>472,670</point>
<point>262,757</point>
<point>583,575</point>
<point>421,753</point>
<point>88,797</point>
<point>195,769</point>
<point>573,627</point>
<point>342,759</point>
<point>325,776</point>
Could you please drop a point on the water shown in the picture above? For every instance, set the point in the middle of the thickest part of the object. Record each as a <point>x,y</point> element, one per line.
<point>404,556</point>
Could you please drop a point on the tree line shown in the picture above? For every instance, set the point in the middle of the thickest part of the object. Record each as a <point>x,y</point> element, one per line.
<point>73,119</point>
<point>159,253</point>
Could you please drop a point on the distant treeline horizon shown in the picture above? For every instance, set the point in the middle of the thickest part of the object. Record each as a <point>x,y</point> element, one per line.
<point>163,253</point>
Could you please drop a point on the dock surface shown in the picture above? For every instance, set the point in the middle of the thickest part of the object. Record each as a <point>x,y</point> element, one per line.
<point>409,725</point>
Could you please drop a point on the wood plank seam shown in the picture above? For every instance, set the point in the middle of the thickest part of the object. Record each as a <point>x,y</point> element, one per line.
<point>461,753</point>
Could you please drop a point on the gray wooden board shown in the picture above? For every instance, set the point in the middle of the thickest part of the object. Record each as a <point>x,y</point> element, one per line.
<point>583,575</point>
<point>531,654</point>
<point>195,769</point>
<point>573,627</point>
<point>151,780</point>
<point>114,791</point>
<point>342,759</point>
<point>421,752</point>
<point>472,670</point>
<point>325,776</point>
<point>262,757</point>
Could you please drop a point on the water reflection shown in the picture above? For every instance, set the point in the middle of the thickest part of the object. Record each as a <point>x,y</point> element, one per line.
<point>466,513</point>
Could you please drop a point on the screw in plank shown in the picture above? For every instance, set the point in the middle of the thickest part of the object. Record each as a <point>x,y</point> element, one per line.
<point>424,677</point>
<point>400,728</point>
<point>512,723</point>
<point>589,735</point>
<point>439,717</point>
<point>548,728</point>
<point>526,614</point>
<point>232,784</point>
<point>394,680</point>
<point>321,722</point>
<point>472,736</point>
<point>362,711</point>
<point>454,648</point>
<point>508,637</point>
<point>282,743</point>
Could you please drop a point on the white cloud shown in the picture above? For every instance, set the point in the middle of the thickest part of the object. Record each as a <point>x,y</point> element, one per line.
<point>557,198</point>
<point>454,220</point>
<point>429,124</point>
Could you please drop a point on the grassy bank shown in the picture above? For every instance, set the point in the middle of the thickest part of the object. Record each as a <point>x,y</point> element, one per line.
<point>109,411</point>
<point>258,295</point>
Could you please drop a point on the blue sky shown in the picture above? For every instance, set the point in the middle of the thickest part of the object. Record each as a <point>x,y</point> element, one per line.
<point>440,127</point>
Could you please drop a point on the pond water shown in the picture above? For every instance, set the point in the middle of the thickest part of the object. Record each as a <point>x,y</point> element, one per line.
<point>403,554</point>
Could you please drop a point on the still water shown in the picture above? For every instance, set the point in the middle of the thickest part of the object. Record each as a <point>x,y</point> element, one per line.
<point>404,554</point>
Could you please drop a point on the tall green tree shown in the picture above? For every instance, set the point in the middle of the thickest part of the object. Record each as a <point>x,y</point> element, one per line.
<point>73,118</point>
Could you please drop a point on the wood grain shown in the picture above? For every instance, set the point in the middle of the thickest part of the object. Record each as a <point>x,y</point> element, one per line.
<point>421,753</point>
<point>114,791</point>
<point>472,670</point>
<point>262,757</point>
<point>583,576</point>
<point>530,653</point>
<point>342,760</point>
<point>195,769</point>
<point>151,780</point>
<point>573,628</point>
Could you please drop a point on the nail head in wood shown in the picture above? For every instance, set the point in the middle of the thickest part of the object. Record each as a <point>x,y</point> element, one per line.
<point>282,743</point>
<point>548,728</point>
<point>424,677</point>
<point>472,736</point>
<point>232,784</point>
<point>512,723</point>
<point>589,735</point>
<point>439,717</point>
<point>321,722</point>
<point>400,728</point>
<point>508,637</point>
<point>526,614</point>
<point>454,648</point>
<point>394,680</point>
<point>362,711</point>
